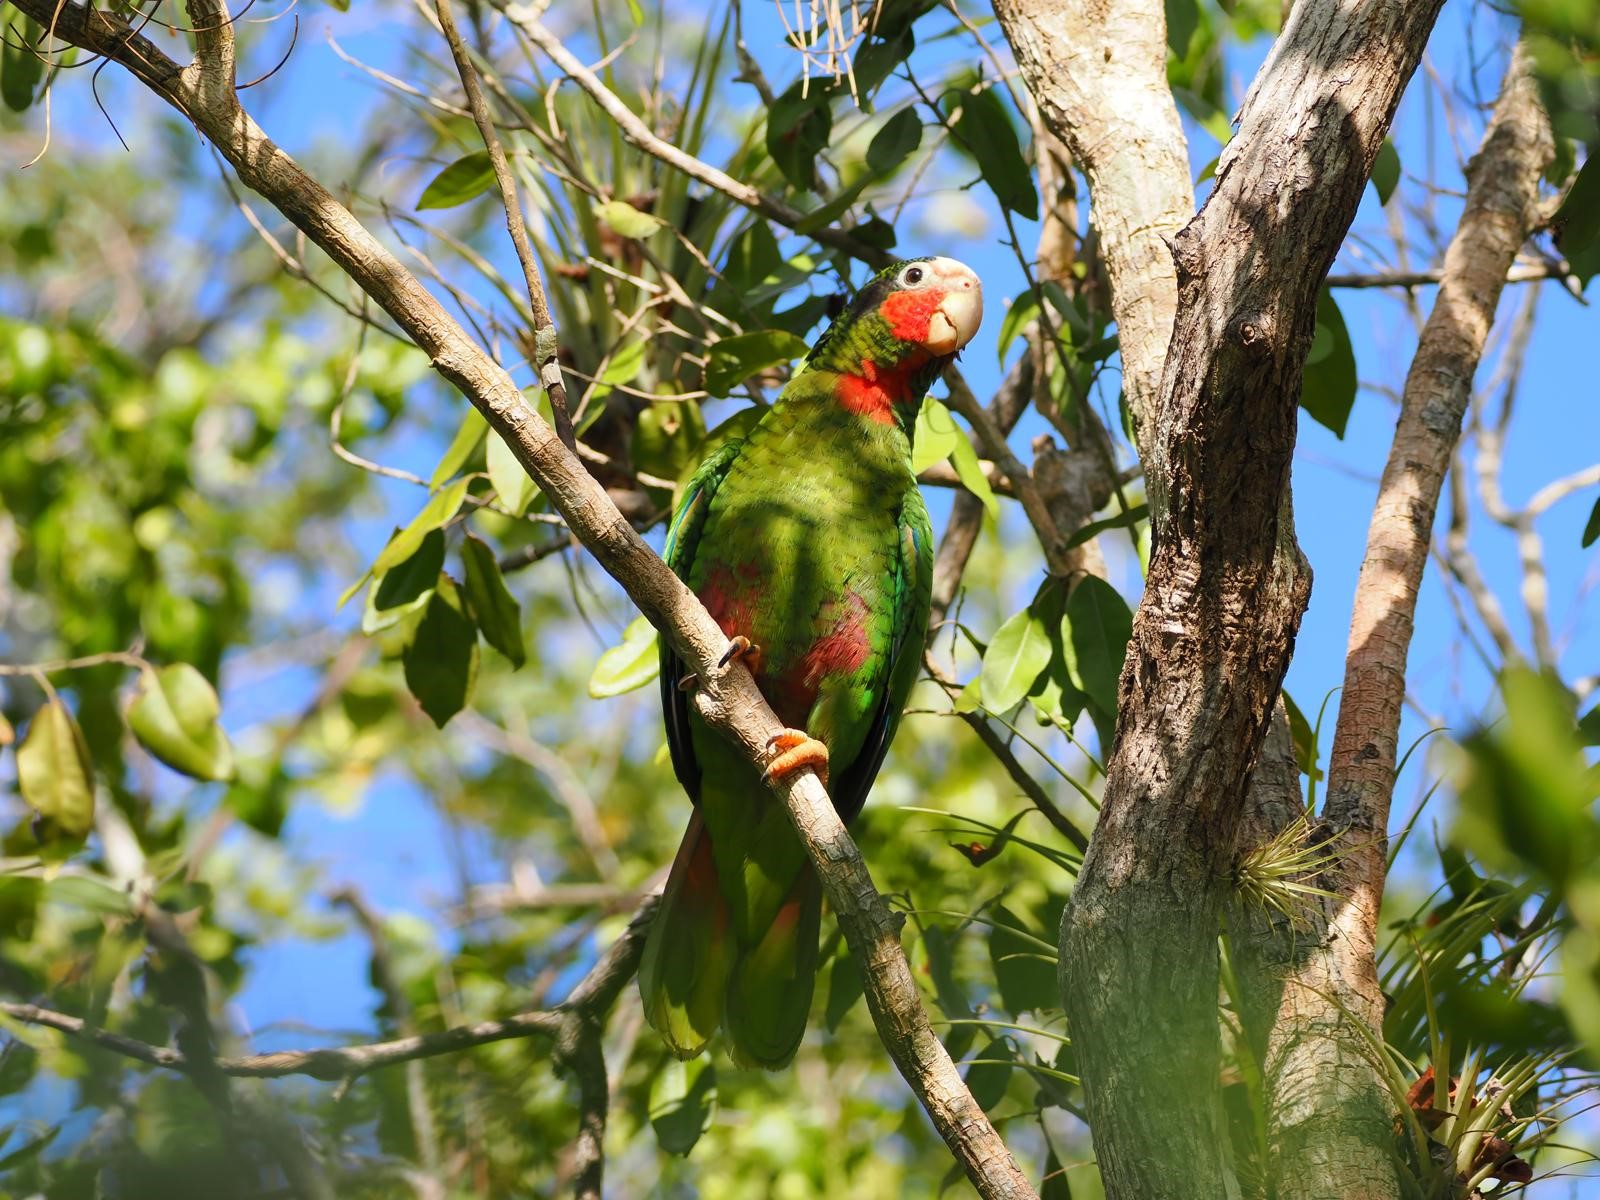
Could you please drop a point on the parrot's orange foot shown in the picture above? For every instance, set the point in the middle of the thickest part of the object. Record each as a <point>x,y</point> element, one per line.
<point>793,750</point>
<point>741,649</point>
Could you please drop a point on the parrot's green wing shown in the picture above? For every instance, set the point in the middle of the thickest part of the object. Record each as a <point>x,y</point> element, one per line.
<point>912,600</point>
<point>683,537</point>
<point>687,953</point>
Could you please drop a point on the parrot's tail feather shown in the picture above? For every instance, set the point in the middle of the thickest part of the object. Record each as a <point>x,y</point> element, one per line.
<point>769,988</point>
<point>683,974</point>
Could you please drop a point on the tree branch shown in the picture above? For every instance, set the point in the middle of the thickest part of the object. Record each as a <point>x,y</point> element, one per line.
<point>1099,74</point>
<point>1225,590</point>
<point>1524,273</point>
<point>1331,1108</point>
<point>544,328</point>
<point>727,697</point>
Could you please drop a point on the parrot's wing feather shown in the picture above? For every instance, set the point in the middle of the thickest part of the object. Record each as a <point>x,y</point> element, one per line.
<point>912,596</point>
<point>683,538</point>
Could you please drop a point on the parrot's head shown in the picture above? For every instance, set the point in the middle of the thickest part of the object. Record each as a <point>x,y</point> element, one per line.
<point>904,326</point>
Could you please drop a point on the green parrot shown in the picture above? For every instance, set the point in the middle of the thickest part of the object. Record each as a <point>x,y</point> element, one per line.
<point>809,543</point>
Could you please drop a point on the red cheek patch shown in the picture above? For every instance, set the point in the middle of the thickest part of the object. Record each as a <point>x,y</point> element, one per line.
<point>908,313</point>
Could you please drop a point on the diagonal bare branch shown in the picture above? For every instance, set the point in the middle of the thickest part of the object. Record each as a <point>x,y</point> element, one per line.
<point>727,699</point>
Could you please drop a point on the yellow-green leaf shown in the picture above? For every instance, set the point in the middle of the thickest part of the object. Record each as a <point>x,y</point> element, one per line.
<point>405,588</point>
<point>513,485</point>
<point>467,177</point>
<point>631,665</point>
<point>1019,650</point>
<point>934,437</point>
<point>434,515</point>
<point>965,460</point>
<point>53,770</point>
<point>627,220</point>
<point>461,447</point>
<point>174,716</point>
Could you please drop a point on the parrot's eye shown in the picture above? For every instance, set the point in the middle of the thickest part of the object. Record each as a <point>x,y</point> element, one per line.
<point>912,276</point>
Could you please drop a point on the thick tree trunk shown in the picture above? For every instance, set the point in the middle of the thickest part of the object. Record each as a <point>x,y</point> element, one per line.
<point>1224,596</point>
<point>1330,1110</point>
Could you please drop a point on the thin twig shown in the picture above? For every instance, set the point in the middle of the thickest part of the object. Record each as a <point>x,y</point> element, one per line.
<point>544,329</point>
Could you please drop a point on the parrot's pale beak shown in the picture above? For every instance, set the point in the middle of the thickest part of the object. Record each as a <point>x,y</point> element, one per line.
<point>955,322</point>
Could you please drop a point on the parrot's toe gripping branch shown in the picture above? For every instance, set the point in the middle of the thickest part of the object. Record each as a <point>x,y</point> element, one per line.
<point>793,750</point>
<point>741,649</point>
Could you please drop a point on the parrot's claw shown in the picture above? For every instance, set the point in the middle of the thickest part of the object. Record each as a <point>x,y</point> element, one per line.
<point>791,751</point>
<point>689,682</point>
<point>741,649</point>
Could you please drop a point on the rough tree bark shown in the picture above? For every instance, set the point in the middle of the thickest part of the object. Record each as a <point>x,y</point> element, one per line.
<point>1098,71</point>
<point>205,93</point>
<point>1329,1108</point>
<point>1224,596</point>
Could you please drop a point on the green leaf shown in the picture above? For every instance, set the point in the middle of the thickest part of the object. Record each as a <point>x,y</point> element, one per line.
<point>461,447</point>
<point>1094,637</point>
<point>1591,527</point>
<point>798,129</point>
<point>462,180</point>
<point>627,220</point>
<point>436,513</point>
<point>989,1074</point>
<point>1577,221</point>
<point>898,140</point>
<point>1525,788</point>
<point>492,606</point>
<point>174,716</point>
<point>7,733</point>
<point>735,359</point>
<point>1328,386</point>
<point>1027,983</point>
<point>626,363</point>
<point>983,129</point>
<point>1589,727</point>
<point>405,587</point>
<point>631,665</point>
<point>1054,1185</point>
<point>1019,650</point>
<point>683,1100</point>
<point>21,66</point>
<point>1386,171</point>
<point>1094,529</point>
<point>830,212</point>
<point>53,770</point>
<point>934,437</point>
<point>636,11</point>
<point>844,988</point>
<point>441,663</point>
<point>1304,739</point>
<point>513,486</point>
<point>970,471</point>
<point>1024,309</point>
<point>29,1149</point>
<point>1183,17</point>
